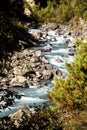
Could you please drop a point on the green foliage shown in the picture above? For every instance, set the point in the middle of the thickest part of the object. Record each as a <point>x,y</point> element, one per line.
<point>60,11</point>
<point>69,95</point>
<point>44,14</point>
<point>45,120</point>
<point>72,91</point>
<point>85,15</point>
<point>66,11</point>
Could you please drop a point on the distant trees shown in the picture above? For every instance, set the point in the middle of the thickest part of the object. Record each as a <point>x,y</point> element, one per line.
<point>62,10</point>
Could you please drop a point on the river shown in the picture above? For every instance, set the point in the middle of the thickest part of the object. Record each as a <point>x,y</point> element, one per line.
<point>38,96</point>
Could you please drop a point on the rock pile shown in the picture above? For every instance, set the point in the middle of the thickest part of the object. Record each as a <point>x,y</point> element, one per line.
<point>28,67</point>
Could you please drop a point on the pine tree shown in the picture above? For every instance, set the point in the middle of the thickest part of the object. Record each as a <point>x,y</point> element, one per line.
<point>72,91</point>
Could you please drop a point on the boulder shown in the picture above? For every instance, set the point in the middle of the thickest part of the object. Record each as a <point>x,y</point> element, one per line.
<point>17,70</point>
<point>45,34</point>
<point>27,52</point>
<point>48,66</point>
<point>27,12</point>
<point>47,74</point>
<point>31,3</point>
<point>71,44</point>
<point>44,60</point>
<point>34,59</point>
<point>36,35</point>
<point>59,73</point>
<point>59,60</point>
<point>18,80</point>
<point>21,117</point>
<point>52,26</point>
<point>47,48</point>
<point>38,53</point>
<point>38,74</point>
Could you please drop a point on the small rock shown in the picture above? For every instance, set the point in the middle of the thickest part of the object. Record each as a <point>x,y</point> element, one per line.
<point>36,35</point>
<point>47,74</point>
<point>59,73</point>
<point>59,60</point>
<point>44,60</point>
<point>48,66</point>
<point>38,74</point>
<point>47,48</point>
<point>71,44</point>
<point>38,53</point>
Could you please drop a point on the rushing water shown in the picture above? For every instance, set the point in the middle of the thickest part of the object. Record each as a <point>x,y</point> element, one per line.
<point>38,96</point>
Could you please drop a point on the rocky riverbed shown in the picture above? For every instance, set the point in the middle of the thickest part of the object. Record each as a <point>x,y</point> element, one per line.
<point>29,67</point>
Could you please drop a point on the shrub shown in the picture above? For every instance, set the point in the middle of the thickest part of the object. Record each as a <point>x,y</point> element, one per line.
<point>45,120</point>
<point>69,95</point>
<point>85,15</point>
<point>43,14</point>
<point>60,11</point>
